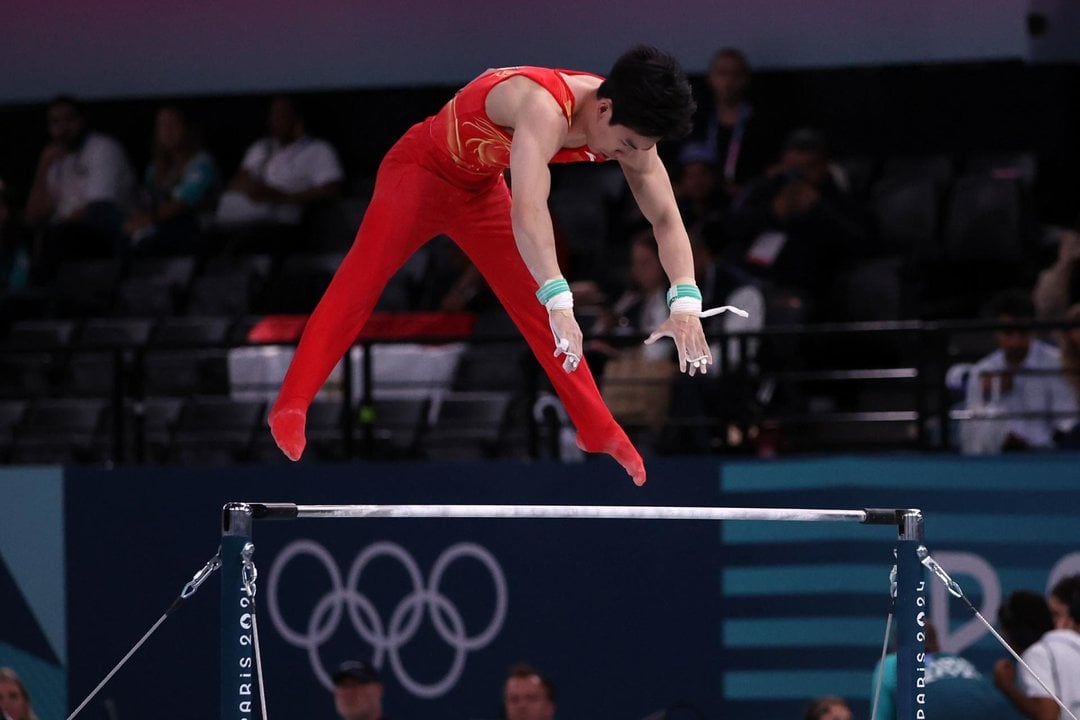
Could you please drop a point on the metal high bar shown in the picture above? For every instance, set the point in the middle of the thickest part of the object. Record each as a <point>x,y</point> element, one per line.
<point>285,511</point>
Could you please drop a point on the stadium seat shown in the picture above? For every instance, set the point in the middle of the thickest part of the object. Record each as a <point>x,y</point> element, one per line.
<point>466,426</point>
<point>60,431</point>
<point>184,371</point>
<point>984,220</point>
<point>938,168</point>
<point>215,430</point>
<point>11,414</point>
<point>84,288</point>
<point>109,332</point>
<point>189,331</point>
<point>300,283</point>
<point>906,217</point>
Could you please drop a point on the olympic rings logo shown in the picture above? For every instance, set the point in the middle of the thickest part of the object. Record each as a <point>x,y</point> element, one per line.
<point>387,639</point>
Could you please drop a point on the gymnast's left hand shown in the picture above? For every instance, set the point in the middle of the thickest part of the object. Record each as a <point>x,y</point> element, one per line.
<point>685,329</point>
<point>568,338</point>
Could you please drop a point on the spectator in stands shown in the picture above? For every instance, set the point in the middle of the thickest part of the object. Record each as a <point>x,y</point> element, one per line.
<point>82,190</point>
<point>282,175</point>
<point>358,691</point>
<point>740,139</point>
<point>438,278</point>
<point>703,415</point>
<point>1024,617</point>
<point>794,232</point>
<point>528,695</point>
<point>179,185</point>
<point>1054,658</point>
<point>14,699</point>
<point>697,187</point>
<point>5,211</point>
<point>829,707</point>
<point>1058,286</point>
<point>1070,349</point>
<point>1017,396</point>
<point>461,286</point>
<point>642,306</point>
<point>636,378</point>
<point>1070,368</point>
<point>955,689</point>
<point>14,250</point>
<point>8,246</point>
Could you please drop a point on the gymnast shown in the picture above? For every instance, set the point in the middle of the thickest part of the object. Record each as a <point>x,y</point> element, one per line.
<point>446,176</point>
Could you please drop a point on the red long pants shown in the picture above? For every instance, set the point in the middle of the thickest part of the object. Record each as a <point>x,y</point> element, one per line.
<point>419,194</point>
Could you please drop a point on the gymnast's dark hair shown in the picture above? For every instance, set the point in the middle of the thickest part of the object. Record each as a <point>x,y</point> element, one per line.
<point>649,94</point>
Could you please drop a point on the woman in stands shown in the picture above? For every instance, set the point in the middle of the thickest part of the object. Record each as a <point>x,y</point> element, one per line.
<point>180,183</point>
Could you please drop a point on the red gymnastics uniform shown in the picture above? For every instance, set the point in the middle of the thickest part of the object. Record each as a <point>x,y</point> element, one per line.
<point>445,176</point>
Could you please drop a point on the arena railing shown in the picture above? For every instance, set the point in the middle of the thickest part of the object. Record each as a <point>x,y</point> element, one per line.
<point>836,372</point>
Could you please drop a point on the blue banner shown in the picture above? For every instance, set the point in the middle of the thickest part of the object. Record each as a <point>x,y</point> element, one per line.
<point>737,619</point>
<point>442,607</point>
<point>33,622</point>
<point>806,604</point>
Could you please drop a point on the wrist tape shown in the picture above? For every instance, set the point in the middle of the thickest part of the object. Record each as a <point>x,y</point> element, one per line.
<point>555,295</point>
<point>684,298</point>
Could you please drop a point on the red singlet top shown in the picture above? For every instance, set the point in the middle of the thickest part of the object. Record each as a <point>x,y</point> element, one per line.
<point>479,146</point>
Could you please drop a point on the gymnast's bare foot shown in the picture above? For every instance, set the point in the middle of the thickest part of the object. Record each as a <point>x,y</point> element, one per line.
<point>287,427</point>
<point>624,452</point>
<point>629,458</point>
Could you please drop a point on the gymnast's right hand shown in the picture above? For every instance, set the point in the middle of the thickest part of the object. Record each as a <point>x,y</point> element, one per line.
<point>568,340</point>
<point>287,426</point>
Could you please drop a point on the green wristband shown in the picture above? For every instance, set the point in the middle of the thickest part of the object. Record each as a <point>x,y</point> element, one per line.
<point>552,288</point>
<point>683,290</point>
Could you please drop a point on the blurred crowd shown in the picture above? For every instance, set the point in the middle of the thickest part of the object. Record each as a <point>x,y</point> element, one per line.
<point>780,226</point>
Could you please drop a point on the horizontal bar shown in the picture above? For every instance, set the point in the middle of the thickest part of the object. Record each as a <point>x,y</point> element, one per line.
<point>627,512</point>
<point>904,373</point>
<point>967,414</point>
<point>855,416</point>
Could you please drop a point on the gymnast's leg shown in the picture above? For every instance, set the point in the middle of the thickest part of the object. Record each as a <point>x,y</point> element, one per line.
<point>397,222</point>
<point>484,232</point>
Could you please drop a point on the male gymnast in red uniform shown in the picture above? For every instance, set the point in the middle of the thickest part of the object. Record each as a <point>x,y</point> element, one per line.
<point>445,176</point>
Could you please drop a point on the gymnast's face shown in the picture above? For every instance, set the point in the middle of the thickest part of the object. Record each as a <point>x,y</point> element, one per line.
<point>615,141</point>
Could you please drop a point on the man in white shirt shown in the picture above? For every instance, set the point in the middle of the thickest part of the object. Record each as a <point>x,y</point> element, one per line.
<point>82,189</point>
<point>282,173</point>
<point>1017,394</point>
